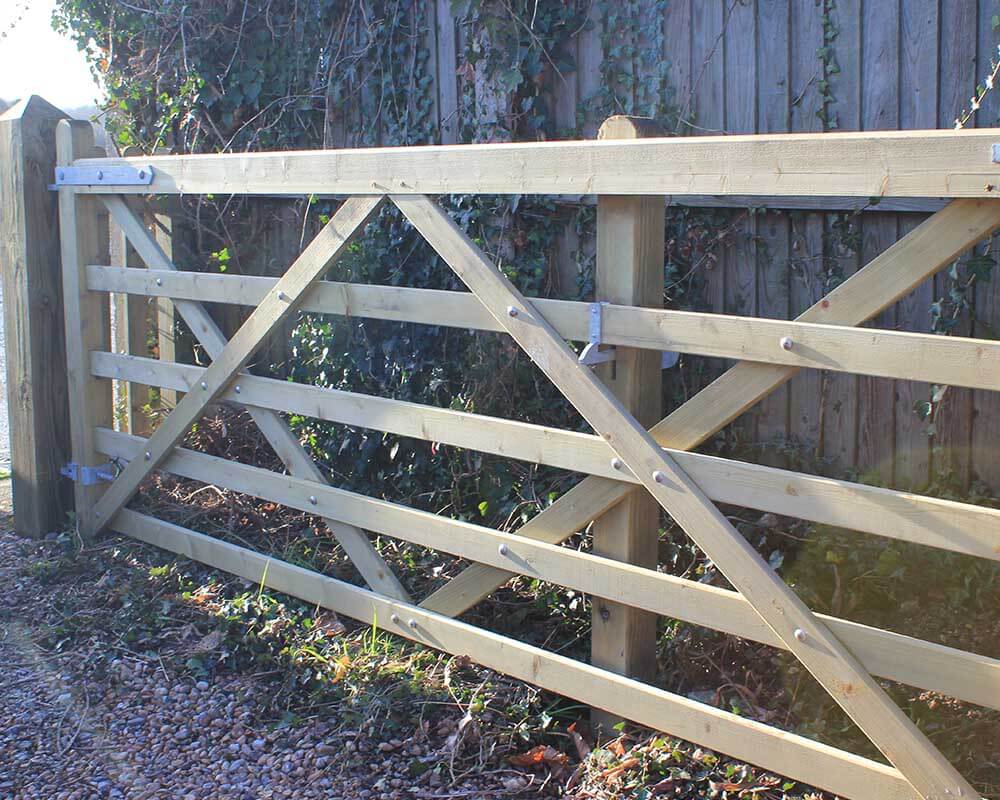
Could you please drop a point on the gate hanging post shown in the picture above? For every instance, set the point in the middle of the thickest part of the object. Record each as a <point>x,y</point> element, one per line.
<point>37,396</point>
<point>630,241</point>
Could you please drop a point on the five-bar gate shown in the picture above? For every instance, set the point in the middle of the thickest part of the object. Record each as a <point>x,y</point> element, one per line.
<point>624,462</point>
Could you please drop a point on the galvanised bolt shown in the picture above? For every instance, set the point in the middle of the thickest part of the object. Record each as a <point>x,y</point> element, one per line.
<point>799,634</point>
<point>281,295</point>
<point>159,281</point>
<point>149,456</point>
<point>616,463</point>
<point>142,174</point>
<point>511,311</point>
<point>394,618</point>
<point>237,389</point>
<point>312,499</point>
<point>204,385</point>
<point>62,175</point>
<point>502,549</point>
<point>412,623</point>
<point>100,174</point>
<point>659,477</point>
<point>786,343</point>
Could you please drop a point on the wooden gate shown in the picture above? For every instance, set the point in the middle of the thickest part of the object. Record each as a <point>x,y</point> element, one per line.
<point>624,461</point>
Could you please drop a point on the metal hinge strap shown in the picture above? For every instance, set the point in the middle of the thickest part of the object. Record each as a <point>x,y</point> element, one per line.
<point>88,476</point>
<point>107,175</point>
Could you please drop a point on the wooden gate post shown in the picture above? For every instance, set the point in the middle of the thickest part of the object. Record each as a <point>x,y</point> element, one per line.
<point>630,239</point>
<point>37,395</point>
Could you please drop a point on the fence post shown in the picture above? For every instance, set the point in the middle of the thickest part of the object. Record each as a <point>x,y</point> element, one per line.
<point>37,397</point>
<point>630,239</point>
<point>84,238</point>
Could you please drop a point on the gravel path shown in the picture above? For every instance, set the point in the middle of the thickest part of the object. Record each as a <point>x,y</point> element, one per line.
<point>102,721</point>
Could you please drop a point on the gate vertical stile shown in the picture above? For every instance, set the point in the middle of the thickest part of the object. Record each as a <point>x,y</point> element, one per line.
<point>84,239</point>
<point>630,238</point>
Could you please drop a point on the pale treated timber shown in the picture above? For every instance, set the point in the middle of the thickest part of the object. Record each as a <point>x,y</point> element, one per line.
<point>35,355</point>
<point>894,273</point>
<point>784,753</point>
<point>866,164</point>
<point>84,235</point>
<point>946,524</point>
<point>819,651</point>
<point>322,251</point>
<point>286,445</point>
<point>926,665</point>
<point>951,360</point>
<point>629,271</point>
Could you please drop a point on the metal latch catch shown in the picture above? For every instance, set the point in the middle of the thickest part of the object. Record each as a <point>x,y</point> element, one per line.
<point>88,476</point>
<point>593,353</point>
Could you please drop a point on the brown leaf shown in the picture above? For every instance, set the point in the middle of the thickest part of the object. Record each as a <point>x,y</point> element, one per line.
<point>541,755</point>
<point>625,766</point>
<point>209,642</point>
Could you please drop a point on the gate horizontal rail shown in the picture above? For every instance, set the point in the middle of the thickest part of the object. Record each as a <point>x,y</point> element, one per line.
<point>840,653</point>
<point>954,360</point>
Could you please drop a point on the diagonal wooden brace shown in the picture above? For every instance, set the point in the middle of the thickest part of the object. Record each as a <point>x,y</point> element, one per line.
<point>354,541</point>
<point>279,303</point>
<point>835,667</point>
<point>921,253</point>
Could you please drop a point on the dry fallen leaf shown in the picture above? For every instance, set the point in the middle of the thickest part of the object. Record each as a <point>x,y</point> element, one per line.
<point>541,755</point>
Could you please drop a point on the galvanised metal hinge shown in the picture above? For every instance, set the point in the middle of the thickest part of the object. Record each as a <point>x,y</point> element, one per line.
<point>593,354</point>
<point>108,175</point>
<point>88,476</point>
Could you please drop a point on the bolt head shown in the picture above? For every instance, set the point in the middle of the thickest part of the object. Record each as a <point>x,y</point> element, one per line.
<point>149,456</point>
<point>616,463</point>
<point>503,549</point>
<point>786,343</point>
<point>237,389</point>
<point>159,281</point>
<point>100,174</point>
<point>312,499</point>
<point>800,635</point>
<point>62,175</point>
<point>281,295</point>
<point>659,477</point>
<point>412,623</point>
<point>142,174</point>
<point>511,311</point>
<point>394,618</point>
<point>204,385</point>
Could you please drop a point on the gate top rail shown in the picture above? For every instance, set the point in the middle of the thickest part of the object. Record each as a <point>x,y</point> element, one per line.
<point>930,163</point>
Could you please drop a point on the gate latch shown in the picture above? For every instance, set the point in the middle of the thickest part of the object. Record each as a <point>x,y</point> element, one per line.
<point>104,175</point>
<point>88,476</point>
<point>594,352</point>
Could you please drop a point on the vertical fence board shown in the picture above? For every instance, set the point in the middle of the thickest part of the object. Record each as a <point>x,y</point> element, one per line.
<point>879,111</point>
<point>447,69</point>
<point>766,263</point>
<point>677,53</point>
<point>918,95</point>
<point>840,391</point>
<point>953,423</point>
<point>806,258</point>
<point>986,405</point>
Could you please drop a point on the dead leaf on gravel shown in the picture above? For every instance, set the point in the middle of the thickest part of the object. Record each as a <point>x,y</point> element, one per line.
<point>625,766</point>
<point>330,624</point>
<point>582,746</point>
<point>209,643</point>
<point>541,755</point>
